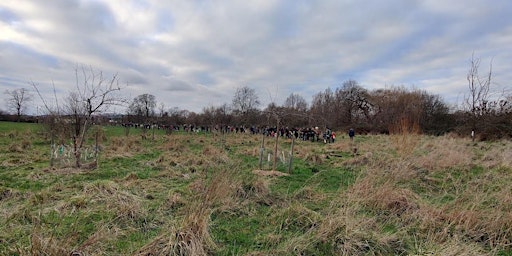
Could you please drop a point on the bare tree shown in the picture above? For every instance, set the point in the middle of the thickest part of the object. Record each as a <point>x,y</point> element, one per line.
<point>216,116</point>
<point>478,98</point>
<point>245,99</point>
<point>245,103</point>
<point>354,104</point>
<point>161,110</point>
<point>296,102</point>
<point>323,109</point>
<point>93,95</point>
<point>18,100</point>
<point>296,109</point>
<point>143,106</point>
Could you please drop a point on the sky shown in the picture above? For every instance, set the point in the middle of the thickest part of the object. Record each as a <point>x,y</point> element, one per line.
<point>192,54</point>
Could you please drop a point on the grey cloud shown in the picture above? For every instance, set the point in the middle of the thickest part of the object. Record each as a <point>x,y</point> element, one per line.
<point>178,86</point>
<point>203,50</point>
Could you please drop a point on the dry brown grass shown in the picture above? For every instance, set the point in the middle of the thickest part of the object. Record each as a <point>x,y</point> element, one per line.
<point>386,198</point>
<point>351,233</point>
<point>309,193</point>
<point>191,235</point>
<point>44,242</point>
<point>295,216</point>
<point>405,136</point>
<point>124,205</point>
<point>123,147</point>
<point>463,228</point>
<point>497,154</point>
<point>478,217</point>
<point>443,153</point>
<point>446,196</point>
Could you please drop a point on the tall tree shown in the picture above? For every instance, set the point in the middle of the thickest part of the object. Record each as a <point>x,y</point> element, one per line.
<point>143,106</point>
<point>478,98</point>
<point>178,116</point>
<point>17,101</point>
<point>353,104</point>
<point>245,103</point>
<point>296,101</point>
<point>435,118</point>
<point>323,109</point>
<point>295,111</point>
<point>245,100</point>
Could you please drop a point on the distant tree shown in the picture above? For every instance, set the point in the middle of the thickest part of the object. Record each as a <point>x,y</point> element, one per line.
<point>177,116</point>
<point>216,116</point>
<point>399,105</point>
<point>353,105</point>
<point>3,115</point>
<point>245,100</point>
<point>486,112</point>
<point>295,111</point>
<point>244,105</point>
<point>223,114</point>
<point>275,115</point>
<point>323,109</point>
<point>143,106</point>
<point>435,118</point>
<point>161,110</point>
<point>296,102</point>
<point>477,99</point>
<point>17,101</point>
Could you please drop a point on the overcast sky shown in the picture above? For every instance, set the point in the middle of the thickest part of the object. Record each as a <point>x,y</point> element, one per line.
<point>194,53</point>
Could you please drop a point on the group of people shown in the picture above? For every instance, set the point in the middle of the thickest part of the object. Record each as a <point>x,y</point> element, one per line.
<point>306,134</point>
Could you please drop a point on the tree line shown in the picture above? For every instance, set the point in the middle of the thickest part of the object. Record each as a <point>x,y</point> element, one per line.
<point>350,105</point>
<point>484,113</point>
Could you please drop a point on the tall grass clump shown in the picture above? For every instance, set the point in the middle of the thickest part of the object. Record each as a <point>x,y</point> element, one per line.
<point>122,204</point>
<point>350,227</point>
<point>405,136</point>
<point>215,190</point>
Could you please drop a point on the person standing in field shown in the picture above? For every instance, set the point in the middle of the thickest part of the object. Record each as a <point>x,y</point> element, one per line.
<point>351,134</point>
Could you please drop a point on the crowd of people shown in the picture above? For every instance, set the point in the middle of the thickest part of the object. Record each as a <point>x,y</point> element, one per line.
<point>314,134</point>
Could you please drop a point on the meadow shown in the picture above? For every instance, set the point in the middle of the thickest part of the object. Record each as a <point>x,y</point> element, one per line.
<point>206,194</point>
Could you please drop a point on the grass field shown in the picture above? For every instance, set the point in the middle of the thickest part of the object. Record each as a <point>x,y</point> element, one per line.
<point>202,194</point>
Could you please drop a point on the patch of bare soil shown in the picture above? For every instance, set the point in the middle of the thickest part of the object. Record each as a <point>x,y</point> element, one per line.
<point>270,173</point>
<point>66,170</point>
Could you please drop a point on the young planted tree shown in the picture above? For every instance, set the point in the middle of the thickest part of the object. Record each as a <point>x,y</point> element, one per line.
<point>93,95</point>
